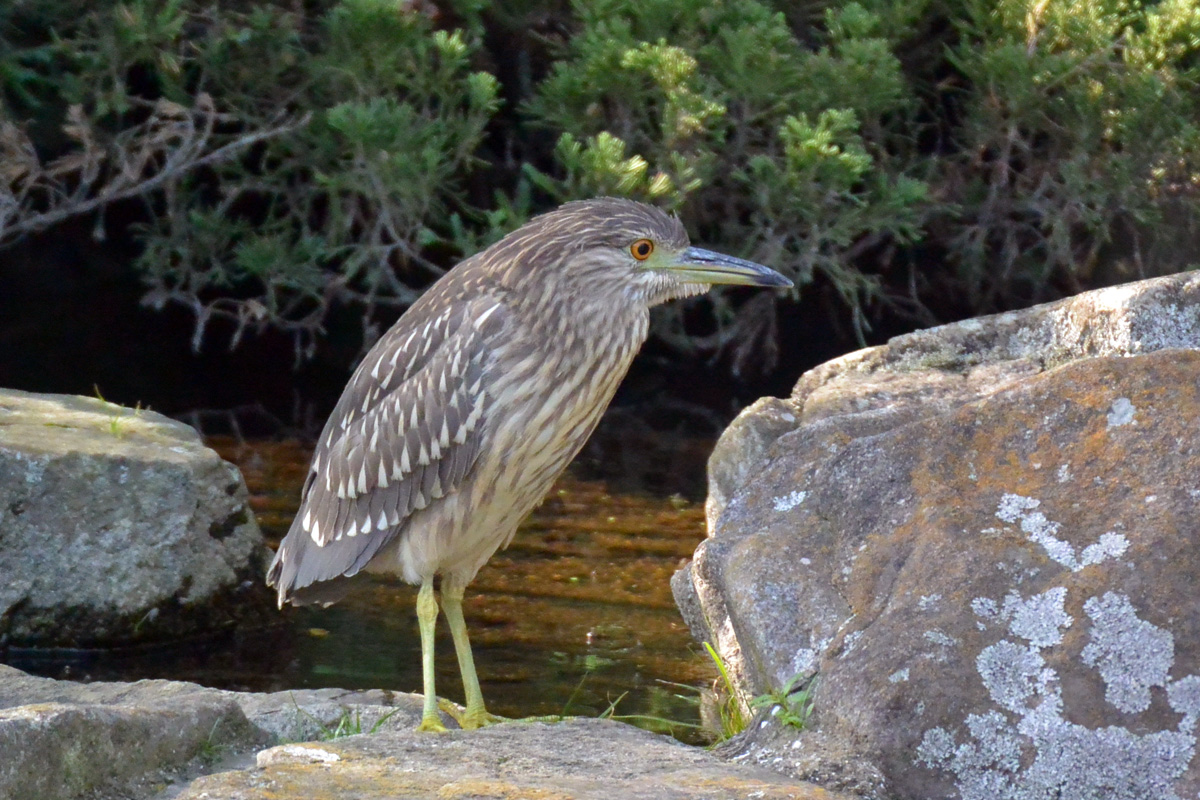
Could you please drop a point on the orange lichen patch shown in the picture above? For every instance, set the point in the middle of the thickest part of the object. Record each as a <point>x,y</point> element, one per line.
<point>500,790</point>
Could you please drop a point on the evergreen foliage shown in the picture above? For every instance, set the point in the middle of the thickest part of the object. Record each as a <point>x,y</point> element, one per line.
<point>922,158</point>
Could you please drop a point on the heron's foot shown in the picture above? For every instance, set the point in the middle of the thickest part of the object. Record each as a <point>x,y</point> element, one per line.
<point>431,723</point>
<point>470,719</point>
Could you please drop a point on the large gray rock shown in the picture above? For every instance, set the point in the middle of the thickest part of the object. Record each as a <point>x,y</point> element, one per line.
<point>164,739</point>
<point>118,526</point>
<point>63,740</point>
<point>982,540</point>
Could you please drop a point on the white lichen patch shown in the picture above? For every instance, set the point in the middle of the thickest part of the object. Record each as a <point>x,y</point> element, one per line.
<point>1027,749</point>
<point>790,500</point>
<point>985,607</point>
<point>1041,619</point>
<point>1131,654</point>
<point>1012,673</point>
<point>928,601</point>
<point>899,676</point>
<point>850,641</point>
<point>1122,413</point>
<point>1110,545</point>
<point>804,662</point>
<point>1015,509</point>
<point>940,638</point>
<point>1184,697</point>
<point>1064,473</point>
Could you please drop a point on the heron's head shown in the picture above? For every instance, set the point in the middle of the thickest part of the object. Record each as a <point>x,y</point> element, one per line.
<point>612,244</point>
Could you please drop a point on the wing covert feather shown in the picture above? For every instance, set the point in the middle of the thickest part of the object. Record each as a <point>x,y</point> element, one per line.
<point>405,433</point>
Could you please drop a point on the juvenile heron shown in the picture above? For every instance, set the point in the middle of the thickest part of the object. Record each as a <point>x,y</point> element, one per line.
<point>460,418</point>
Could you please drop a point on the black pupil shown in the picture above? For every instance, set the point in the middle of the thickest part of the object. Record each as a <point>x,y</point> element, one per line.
<point>643,249</point>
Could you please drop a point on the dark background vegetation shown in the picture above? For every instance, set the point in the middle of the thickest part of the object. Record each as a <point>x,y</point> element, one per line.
<point>219,205</point>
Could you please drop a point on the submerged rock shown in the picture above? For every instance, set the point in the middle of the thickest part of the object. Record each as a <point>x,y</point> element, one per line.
<point>118,526</point>
<point>152,739</point>
<point>982,540</point>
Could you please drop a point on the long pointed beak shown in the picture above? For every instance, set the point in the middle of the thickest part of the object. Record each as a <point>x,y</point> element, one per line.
<point>705,266</point>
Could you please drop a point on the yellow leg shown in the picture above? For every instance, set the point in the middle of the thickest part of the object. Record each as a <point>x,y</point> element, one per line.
<point>476,715</point>
<point>427,611</point>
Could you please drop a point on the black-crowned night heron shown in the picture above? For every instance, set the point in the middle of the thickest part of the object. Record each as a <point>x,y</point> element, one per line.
<point>461,417</point>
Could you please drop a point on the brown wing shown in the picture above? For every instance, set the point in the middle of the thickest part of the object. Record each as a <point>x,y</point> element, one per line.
<point>405,433</point>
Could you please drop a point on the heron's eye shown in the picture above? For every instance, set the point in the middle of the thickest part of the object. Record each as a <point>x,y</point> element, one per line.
<point>641,249</point>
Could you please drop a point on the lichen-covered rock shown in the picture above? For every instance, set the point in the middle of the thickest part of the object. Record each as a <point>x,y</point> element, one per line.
<point>118,526</point>
<point>983,541</point>
<point>153,739</point>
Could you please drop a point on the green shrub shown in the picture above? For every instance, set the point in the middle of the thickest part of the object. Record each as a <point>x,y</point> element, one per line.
<point>1078,147</point>
<point>922,159</point>
<point>340,144</point>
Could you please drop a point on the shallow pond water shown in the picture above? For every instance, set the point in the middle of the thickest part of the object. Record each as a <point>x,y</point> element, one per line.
<point>575,616</point>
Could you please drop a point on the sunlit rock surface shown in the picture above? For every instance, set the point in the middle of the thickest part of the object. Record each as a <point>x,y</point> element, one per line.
<point>983,539</point>
<point>148,739</point>
<point>117,526</point>
<point>167,739</point>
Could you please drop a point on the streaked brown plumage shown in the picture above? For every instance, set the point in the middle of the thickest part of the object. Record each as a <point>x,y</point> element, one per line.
<point>460,418</point>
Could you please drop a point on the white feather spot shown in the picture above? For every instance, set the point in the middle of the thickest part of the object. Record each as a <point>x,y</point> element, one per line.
<point>405,462</point>
<point>381,523</point>
<point>382,483</point>
<point>419,501</point>
<point>482,318</point>
<point>362,478</point>
<point>473,417</point>
<point>308,520</point>
<point>423,458</point>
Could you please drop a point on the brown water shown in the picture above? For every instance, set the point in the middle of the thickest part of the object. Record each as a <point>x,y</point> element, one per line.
<point>576,616</point>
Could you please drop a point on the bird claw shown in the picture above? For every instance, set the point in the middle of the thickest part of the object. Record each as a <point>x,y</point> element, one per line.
<point>472,718</point>
<point>431,724</point>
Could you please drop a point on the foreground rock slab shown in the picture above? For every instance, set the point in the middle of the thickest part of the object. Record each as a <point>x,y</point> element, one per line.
<point>982,540</point>
<point>153,740</point>
<point>118,526</point>
<point>581,759</point>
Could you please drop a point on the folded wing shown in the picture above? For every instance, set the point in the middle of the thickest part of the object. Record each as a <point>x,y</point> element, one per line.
<point>405,433</point>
